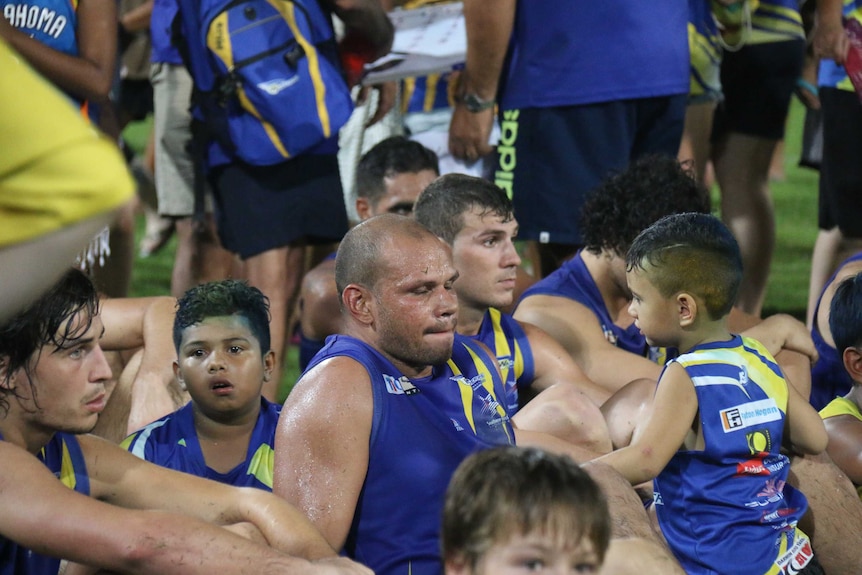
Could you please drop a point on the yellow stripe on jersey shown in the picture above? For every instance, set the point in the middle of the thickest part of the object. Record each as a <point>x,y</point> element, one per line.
<point>67,469</point>
<point>262,463</point>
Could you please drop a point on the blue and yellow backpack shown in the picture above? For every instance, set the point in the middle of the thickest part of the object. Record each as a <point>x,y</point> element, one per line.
<point>268,83</point>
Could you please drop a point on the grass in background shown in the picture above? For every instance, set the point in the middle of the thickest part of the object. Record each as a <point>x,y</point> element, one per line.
<point>796,218</point>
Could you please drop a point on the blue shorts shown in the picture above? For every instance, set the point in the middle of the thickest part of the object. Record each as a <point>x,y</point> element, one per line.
<point>549,159</point>
<point>259,208</point>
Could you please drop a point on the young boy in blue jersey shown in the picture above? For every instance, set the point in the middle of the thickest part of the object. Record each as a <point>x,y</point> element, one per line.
<point>227,431</point>
<point>513,509</point>
<point>843,416</point>
<point>721,414</point>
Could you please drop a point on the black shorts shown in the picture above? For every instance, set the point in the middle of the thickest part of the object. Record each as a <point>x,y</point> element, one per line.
<point>259,208</point>
<point>549,159</point>
<point>758,82</point>
<point>840,201</point>
<point>135,99</point>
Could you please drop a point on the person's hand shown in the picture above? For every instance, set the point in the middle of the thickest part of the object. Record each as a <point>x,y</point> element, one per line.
<point>340,566</point>
<point>829,40</point>
<point>469,133</point>
<point>386,95</point>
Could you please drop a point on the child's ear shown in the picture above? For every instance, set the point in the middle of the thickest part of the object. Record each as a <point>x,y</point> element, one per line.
<point>687,309</point>
<point>268,365</point>
<point>853,363</point>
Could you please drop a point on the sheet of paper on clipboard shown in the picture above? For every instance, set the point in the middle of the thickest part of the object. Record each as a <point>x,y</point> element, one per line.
<point>427,40</point>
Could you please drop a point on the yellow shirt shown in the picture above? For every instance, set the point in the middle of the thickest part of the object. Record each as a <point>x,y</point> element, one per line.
<point>55,169</point>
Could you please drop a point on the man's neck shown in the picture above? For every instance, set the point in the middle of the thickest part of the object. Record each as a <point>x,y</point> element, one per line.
<point>17,432</point>
<point>470,318</point>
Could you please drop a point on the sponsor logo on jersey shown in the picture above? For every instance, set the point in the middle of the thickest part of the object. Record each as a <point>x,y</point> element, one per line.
<point>759,441</point>
<point>399,386</point>
<point>772,492</point>
<point>749,414</point>
<point>797,557</point>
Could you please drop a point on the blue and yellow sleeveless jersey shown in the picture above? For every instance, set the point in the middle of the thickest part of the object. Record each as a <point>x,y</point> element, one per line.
<point>63,456</point>
<point>728,509</point>
<point>172,442</point>
<point>705,48</point>
<point>830,74</point>
<point>842,406</point>
<point>421,430</point>
<point>507,341</point>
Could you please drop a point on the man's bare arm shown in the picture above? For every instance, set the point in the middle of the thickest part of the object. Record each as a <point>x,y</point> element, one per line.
<point>554,365</point>
<point>321,448</point>
<point>575,327</point>
<point>489,26</point>
<point>122,479</point>
<point>42,514</point>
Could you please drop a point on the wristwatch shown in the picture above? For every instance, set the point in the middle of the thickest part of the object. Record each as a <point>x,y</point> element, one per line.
<point>474,103</point>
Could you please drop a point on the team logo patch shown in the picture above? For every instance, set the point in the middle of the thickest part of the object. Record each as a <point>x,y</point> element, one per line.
<point>474,382</point>
<point>749,414</point>
<point>273,87</point>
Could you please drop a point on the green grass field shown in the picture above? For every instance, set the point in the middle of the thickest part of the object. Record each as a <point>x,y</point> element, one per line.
<point>795,205</point>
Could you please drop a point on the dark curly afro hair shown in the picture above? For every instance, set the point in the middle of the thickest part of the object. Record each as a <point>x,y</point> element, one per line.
<point>628,202</point>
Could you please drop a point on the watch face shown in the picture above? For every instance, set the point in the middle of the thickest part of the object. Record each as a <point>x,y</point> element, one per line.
<point>474,103</point>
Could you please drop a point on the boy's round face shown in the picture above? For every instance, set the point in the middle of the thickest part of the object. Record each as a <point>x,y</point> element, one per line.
<point>537,554</point>
<point>222,366</point>
<point>655,315</point>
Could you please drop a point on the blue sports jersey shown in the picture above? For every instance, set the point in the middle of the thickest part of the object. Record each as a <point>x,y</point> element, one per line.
<point>728,509</point>
<point>63,456</point>
<point>565,53</point>
<point>830,74</point>
<point>421,430</point>
<point>829,379</point>
<point>573,281</point>
<point>51,22</point>
<point>506,339</point>
<point>172,442</point>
